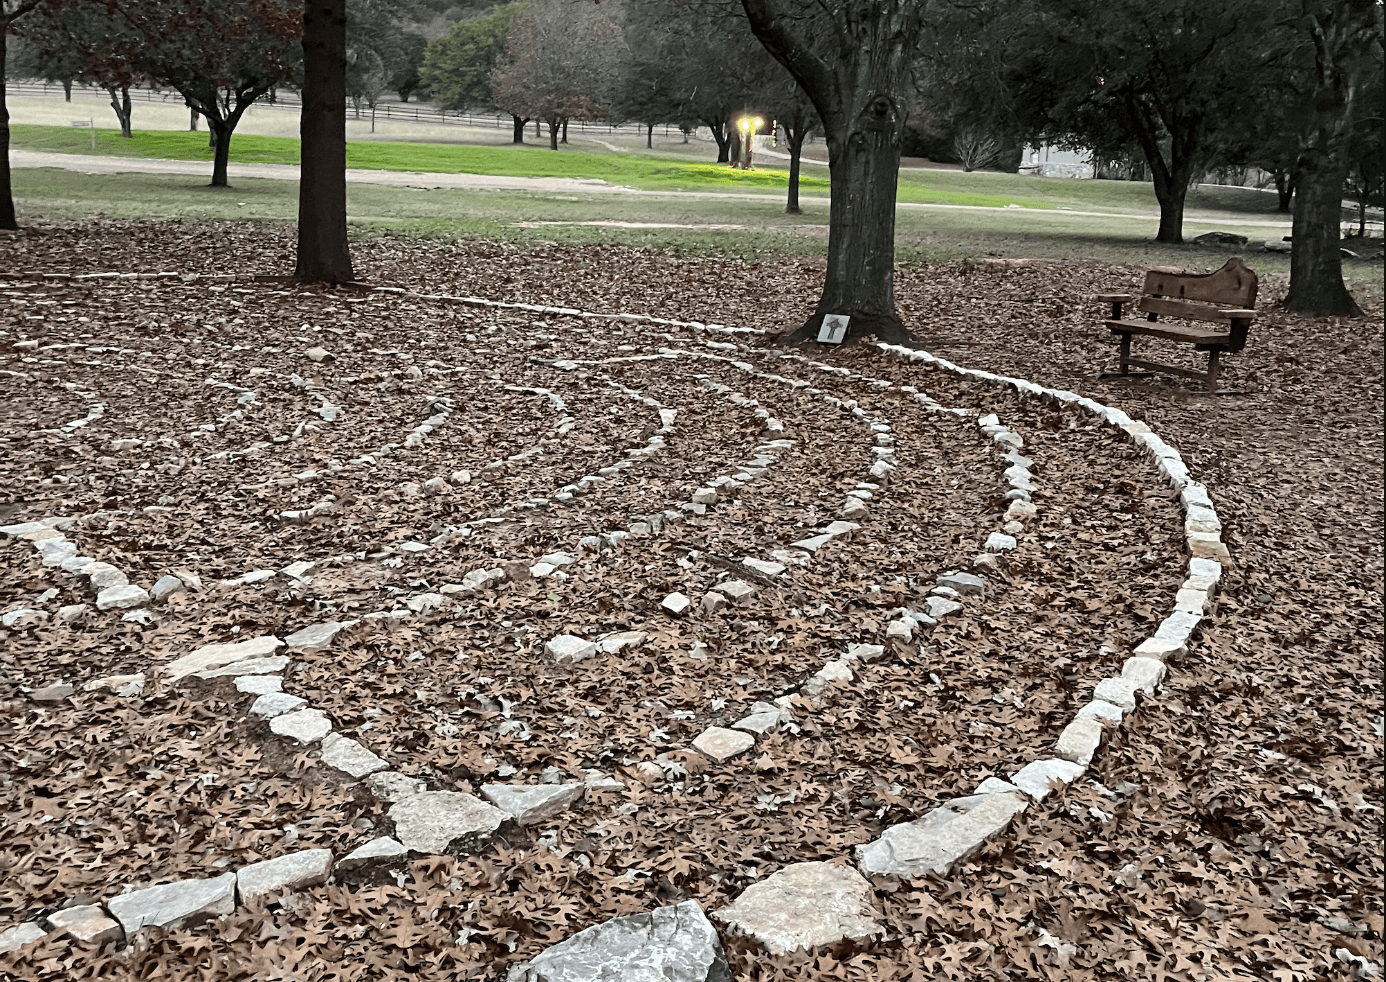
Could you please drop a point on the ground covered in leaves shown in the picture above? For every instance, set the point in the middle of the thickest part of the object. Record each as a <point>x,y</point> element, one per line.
<point>1231,830</point>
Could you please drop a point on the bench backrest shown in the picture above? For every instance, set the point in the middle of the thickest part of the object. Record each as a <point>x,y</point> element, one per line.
<point>1233,285</point>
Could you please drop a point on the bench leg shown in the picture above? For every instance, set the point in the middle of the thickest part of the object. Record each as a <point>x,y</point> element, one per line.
<point>1211,385</point>
<point>1125,354</point>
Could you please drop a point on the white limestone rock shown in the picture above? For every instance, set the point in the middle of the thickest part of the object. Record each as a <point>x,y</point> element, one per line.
<point>250,666</point>
<point>531,804</point>
<point>425,603</point>
<point>805,905</point>
<point>1191,601</point>
<point>1147,673</point>
<point>668,944</point>
<point>121,597</point>
<point>569,648</point>
<point>763,566</point>
<point>349,756</point>
<point>611,644</point>
<point>1080,740</point>
<point>292,872</point>
<point>121,685</point>
<point>259,684</point>
<point>1160,649</point>
<point>305,725</point>
<point>999,542</point>
<point>378,850</point>
<point>964,583</point>
<point>210,656</point>
<point>276,704</point>
<point>174,904</point>
<point>166,586</point>
<point>813,543</point>
<point>941,607</point>
<point>704,496</point>
<point>737,591</point>
<point>87,923</point>
<point>676,604</point>
<point>433,822</point>
<point>940,839</point>
<point>1034,778</point>
<point>1118,692</point>
<point>21,934</point>
<point>713,602</point>
<point>316,636</point>
<point>71,612</point>
<point>1020,511</point>
<point>1103,710</point>
<point>722,744</point>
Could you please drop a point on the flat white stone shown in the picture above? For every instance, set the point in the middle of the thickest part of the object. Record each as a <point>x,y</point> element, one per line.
<point>840,528</point>
<point>722,744</point>
<point>994,785</point>
<point>393,786</point>
<point>713,601</point>
<point>426,602</point>
<point>704,496</point>
<point>1020,511</point>
<point>1205,568</point>
<point>567,648</point>
<point>964,583</point>
<point>350,757</point>
<point>813,543</point>
<point>21,934</point>
<point>940,607</point>
<point>676,603</point>
<point>1100,709</point>
<point>1035,776</point>
<point>1119,692</point>
<point>432,821</point>
<point>1160,649</point>
<point>254,576</point>
<point>174,904</point>
<point>316,635</point>
<point>558,559</point>
<point>759,723</point>
<point>1191,601</point>
<point>251,666</point>
<point>900,628</point>
<point>259,684</point>
<point>121,597</point>
<point>737,591</point>
<point>305,725</point>
<point>378,850</point>
<point>864,652</point>
<point>211,656</point>
<point>276,704</point>
<point>23,528</point>
<point>613,643</point>
<point>999,542</point>
<point>530,804</point>
<point>1079,740</point>
<point>87,923</point>
<point>853,507</point>
<point>166,586</point>
<point>540,570</point>
<point>805,905</point>
<point>121,685</point>
<point>292,872</point>
<point>1147,673</point>
<point>1178,627</point>
<point>298,570</point>
<point>940,839</point>
<point>763,566</point>
<point>75,564</point>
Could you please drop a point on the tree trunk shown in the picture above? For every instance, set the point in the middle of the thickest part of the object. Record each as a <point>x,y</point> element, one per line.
<point>67,90</point>
<point>1170,192</point>
<point>649,136</point>
<point>1316,259</point>
<point>723,139</point>
<point>553,132</point>
<point>192,120</point>
<point>538,131</point>
<point>221,149</point>
<point>794,133</point>
<point>120,102</point>
<point>1284,190</point>
<point>733,146</point>
<point>518,134</point>
<point>8,219</point>
<point>564,137</point>
<point>323,253</point>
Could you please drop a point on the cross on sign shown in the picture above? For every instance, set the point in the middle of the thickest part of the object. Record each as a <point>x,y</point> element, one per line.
<point>834,329</point>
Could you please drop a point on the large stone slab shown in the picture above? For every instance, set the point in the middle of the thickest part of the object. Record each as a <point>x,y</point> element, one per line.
<point>276,704</point>
<point>251,666</point>
<point>304,725</point>
<point>1035,777</point>
<point>803,906</point>
<point>433,822</point>
<point>1080,740</point>
<point>964,583</point>
<point>380,850</point>
<point>669,944</point>
<point>393,786</point>
<point>87,923</point>
<point>530,804</point>
<point>348,756</point>
<point>945,836</point>
<point>174,904</point>
<point>292,872</point>
<point>722,744</point>
<point>568,648</point>
<point>211,656</point>
<point>316,636</point>
<point>21,934</point>
<point>121,597</point>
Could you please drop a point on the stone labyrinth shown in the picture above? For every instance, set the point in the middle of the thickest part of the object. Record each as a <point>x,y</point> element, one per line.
<point>471,577</point>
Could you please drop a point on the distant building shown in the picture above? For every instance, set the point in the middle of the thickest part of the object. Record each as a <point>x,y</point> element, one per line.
<point>1047,161</point>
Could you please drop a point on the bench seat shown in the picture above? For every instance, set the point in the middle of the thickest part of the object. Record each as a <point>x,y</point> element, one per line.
<point>1171,332</point>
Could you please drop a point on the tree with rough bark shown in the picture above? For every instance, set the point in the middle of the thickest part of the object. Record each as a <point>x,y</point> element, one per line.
<point>457,67</point>
<point>220,55</point>
<point>323,253</point>
<point>10,13</point>
<point>561,62</point>
<point>852,59</point>
<point>1345,38</point>
<point>1102,74</point>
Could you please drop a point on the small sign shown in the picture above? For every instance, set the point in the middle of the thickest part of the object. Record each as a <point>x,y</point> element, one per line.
<point>834,329</point>
<point>81,123</point>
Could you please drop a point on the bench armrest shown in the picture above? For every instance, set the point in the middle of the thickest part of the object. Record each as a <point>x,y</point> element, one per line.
<point>1114,298</point>
<point>1238,314</point>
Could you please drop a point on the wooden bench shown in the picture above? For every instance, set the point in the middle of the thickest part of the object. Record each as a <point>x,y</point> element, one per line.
<point>1223,303</point>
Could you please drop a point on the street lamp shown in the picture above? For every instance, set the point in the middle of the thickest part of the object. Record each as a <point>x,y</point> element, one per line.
<point>748,126</point>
